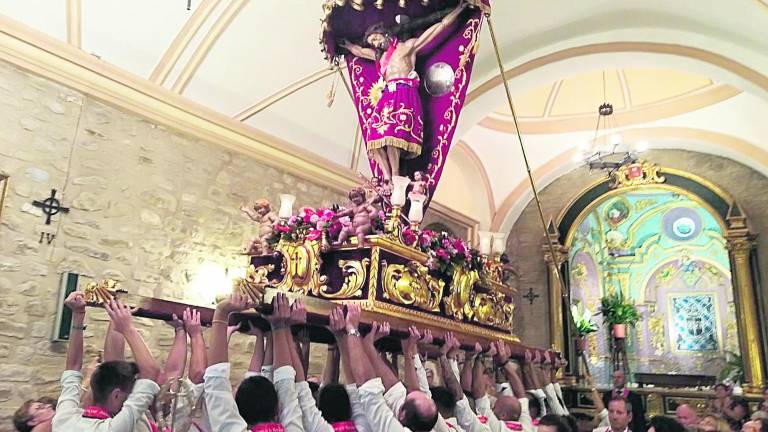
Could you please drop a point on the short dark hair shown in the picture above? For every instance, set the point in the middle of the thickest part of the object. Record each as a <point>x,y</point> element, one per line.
<point>627,403</point>
<point>443,398</point>
<point>313,387</point>
<point>112,375</point>
<point>21,417</point>
<point>416,421</point>
<point>256,400</point>
<point>534,404</point>
<point>571,422</point>
<point>555,420</point>
<point>665,424</point>
<point>333,403</point>
<point>763,424</point>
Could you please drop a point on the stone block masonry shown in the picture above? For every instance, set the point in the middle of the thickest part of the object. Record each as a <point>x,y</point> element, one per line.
<point>149,206</point>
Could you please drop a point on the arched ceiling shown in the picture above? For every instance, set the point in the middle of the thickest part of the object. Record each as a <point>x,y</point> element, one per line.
<point>669,66</point>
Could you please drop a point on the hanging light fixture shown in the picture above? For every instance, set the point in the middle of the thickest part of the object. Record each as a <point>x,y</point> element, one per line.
<point>604,154</point>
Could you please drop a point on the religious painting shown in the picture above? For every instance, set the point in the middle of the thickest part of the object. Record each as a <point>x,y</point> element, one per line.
<point>694,322</point>
<point>617,212</point>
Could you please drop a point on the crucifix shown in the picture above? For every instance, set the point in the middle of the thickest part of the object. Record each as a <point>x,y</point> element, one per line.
<point>50,206</point>
<point>531,296</point>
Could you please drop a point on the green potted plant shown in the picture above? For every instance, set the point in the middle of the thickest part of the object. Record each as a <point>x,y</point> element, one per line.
<point>618,312</point>
<point>582,319</point>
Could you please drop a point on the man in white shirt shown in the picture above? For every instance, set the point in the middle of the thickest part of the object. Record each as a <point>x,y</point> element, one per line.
<point>418,412</point>
<point>119,398</point>
<point>510,413</point>
<point>618,417</point>
<point>256,402</point>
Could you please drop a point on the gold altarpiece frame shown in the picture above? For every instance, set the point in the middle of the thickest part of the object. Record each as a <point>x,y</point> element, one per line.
<point>741,244</point>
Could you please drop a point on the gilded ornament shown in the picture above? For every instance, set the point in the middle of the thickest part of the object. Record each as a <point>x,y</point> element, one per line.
<point>167,401</point>
<point>301,267</point>
<point>459,303</point>
<point>411,284</point>
<point>637,173</point>
<point>254,283</point>
<point>493,309</point>
<point>354,273</point>
<point>102,292</point>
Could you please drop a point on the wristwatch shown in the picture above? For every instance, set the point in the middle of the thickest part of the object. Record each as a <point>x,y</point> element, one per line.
<point>353,332</point>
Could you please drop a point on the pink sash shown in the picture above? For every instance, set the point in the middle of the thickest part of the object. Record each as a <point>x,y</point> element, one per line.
<point>268,427</point>
<point>483,419</point>
<point>344,426</point>
<point>387,57</point>
<point>513,425</point>
<point>624,393</point>
<point>451,426</point>
<point>95,412</point>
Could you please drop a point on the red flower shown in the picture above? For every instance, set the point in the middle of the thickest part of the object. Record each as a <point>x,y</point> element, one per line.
<point>443,255</point>
<point>409,237</point>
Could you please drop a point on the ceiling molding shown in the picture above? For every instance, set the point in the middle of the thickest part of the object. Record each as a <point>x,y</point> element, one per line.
<point>284,93</point>
<point>742,147</point>
<point>691,101</point>
<point>74,23</point>
<point>745,72</point>
<point>180,43</point>
<point>202,50</point>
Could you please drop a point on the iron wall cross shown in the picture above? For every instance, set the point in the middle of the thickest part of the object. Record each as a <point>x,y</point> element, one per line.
<point>50,206</point>
<point>531,296</point>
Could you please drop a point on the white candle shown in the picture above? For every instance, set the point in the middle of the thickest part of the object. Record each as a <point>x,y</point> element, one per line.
<point>286,205</point>
<point>399,186</point>
<point>485,242</point>
<point>416,212</point>
<point>499,244</point>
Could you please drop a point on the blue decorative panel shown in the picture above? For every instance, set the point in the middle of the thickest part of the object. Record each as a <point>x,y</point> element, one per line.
<point>694,320</point>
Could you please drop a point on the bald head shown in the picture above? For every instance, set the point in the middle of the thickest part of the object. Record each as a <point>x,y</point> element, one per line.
<point>418,413</point>
<point>687,416</point>
<point>507,408</point>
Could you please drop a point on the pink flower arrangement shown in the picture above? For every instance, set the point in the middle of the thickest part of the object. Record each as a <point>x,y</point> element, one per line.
<point>445,252</point>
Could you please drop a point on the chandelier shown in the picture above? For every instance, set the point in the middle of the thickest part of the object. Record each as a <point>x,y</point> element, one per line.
<point>607,151</point>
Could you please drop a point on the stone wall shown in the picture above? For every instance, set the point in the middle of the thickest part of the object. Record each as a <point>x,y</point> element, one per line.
<point>526,237</point>
<point>148,206</point>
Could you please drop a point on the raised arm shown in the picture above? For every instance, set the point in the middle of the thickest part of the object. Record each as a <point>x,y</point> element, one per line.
<point>114,345</point>
<point>257,358</point>
<point>177,356</point>
<point>410,351</point>
<point>378,331</point>
<point>358,360</point>
<point>358,51</point>
<point>510,370</point>
<point>466,371</point>
<point>298,317</point>
<point>430,33</point>
<point>198,360</point>
<point>331,370</point>
<point>122,320</point>
<point>76,303</point>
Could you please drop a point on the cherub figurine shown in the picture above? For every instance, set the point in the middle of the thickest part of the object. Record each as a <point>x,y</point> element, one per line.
<point>418,185</point>
<point>261,213</point>
<point>362,214</point>
<point>380,191</point>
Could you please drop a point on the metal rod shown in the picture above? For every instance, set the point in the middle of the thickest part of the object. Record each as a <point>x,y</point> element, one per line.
<point>550,245</point>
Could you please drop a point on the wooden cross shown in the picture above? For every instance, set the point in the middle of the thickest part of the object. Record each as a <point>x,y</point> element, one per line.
<point>531,296</point>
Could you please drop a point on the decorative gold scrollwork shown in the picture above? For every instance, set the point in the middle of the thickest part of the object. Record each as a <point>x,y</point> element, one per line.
<point>459,303</point>
<point>354,273</point>
<point>301,267</point>
<point>493,309</point>
<point>411,284</point>
<point>254,283</point>
<point>637,173</point>
<point>102,292</point>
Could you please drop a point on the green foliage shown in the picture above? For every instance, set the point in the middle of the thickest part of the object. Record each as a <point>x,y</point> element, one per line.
<point>733,366</point>
<point>618,310</point>
<point>582,318</point>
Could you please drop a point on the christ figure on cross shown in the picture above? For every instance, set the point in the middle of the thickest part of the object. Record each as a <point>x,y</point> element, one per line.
<point>395,128</point>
